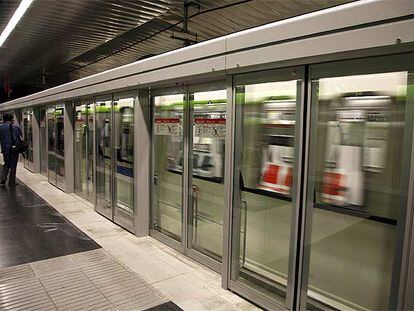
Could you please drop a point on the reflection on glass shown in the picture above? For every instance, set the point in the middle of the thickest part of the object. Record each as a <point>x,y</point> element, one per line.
<point>266,167</point>
<point>28,137</point>
<point>124,148</point>
<point>84,150</point>
<point>42,140</point>
<point>168,164</point>
<point>208,171</point>
<point>103,156</point>
<point>357,188</point>
<point>51,145</point>
<point>60,145</point>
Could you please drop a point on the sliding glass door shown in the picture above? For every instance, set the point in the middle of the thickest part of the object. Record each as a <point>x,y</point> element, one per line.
<point>265,188</point>
<point>189,130</point>
<point>43,141</point>
<point>83,147</point>
<point>28,137</point>
<point>207,139</point>
<point>361,140</point>
<point>55,116</point>
<point>168,163</point>
<point>114,158</point>
<point>123,136</point>
<point>321,184</point>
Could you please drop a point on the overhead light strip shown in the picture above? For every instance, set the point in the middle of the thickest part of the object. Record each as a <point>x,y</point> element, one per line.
<point>14,20</point>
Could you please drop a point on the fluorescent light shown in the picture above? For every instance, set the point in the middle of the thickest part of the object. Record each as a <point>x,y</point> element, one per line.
<point>23,6</point>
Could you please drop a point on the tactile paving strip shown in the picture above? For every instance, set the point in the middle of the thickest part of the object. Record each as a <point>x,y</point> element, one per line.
<point>91,280</point>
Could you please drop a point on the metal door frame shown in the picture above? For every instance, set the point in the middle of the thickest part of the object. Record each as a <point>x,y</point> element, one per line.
<point>367,65</point>
<point>58,185</point>
<point>177,245</point>
<point>49,179</point>
<point>213,85</point>
<point>104,97</point>
<point>234,137</point>
<point>186,224</point>
<point>130,226</point>
<point>112,213</point>
<point>28,115</point>
<point>45,137</point>
<point>88,102</point>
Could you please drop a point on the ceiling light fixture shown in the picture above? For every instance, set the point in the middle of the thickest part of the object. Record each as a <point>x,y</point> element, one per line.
<point>23,6</point>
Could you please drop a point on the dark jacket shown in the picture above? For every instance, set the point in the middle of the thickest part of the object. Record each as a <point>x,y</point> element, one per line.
<point>5,137</point>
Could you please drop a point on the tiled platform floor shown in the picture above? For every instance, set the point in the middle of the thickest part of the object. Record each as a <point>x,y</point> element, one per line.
<point>91,280</point>
<point>31,230</point>
<point>188,284</point>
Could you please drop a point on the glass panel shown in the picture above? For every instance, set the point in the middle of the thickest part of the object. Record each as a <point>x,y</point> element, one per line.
<point>51,145</point>
<point>43,140</point>
<point>103,111</point>
<point>60,145</point>
<point>81,158</point>
<point>90,150</point>
<point>209,133</point>
<point>265,178</point>
<point>29,139</point>
<point>124,153</point>
<point>25,135</point>
<point>357,186</point>
<point>168,164</point>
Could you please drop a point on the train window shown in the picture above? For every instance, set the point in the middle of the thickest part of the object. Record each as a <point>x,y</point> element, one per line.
<point>356,186</point>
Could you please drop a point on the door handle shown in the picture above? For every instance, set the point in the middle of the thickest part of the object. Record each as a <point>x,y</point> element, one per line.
<point>244,207</point>
<point>196,190</point>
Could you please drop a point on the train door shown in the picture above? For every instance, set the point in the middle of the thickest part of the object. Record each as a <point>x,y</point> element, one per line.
<point>43,141</point>
<point>188,181</point>
<point>266,164</point>
<point>114,141</point>
<point>83,149</point>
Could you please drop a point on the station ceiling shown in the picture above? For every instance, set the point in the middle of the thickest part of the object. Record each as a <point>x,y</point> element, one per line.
<point>59,41</point>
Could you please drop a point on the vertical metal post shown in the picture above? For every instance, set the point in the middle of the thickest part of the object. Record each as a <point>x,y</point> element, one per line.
<point>305,224</point>
<point>299,186</point>
<point>186,171</point>
<point>403,270</point>
<point>228,182</point>
<point>36,139</point>
<point>113,166</point>
<point>142,163</point>
<point>190,200</point>
<point>95,149</point>
<point>68,145</point>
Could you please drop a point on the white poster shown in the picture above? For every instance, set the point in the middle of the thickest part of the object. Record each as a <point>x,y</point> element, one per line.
<point>210,128</point>
<point>167,126</point>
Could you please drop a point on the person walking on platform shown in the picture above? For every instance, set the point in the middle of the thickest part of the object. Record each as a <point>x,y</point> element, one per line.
<point>10,134</point>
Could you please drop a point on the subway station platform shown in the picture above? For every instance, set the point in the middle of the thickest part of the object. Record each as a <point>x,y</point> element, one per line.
<point>56,253</point>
